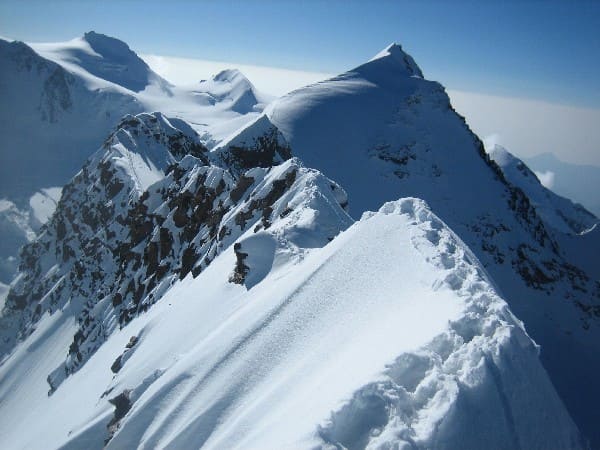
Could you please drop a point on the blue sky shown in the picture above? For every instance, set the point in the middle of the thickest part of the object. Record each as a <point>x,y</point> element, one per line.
<point>539,50</point>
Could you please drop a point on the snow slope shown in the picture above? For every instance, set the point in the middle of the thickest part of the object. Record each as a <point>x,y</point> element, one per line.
<point>290,362</point>
<point>192,295</point>
<point>575,229</point>
<point>383,132</point>
<point>61,100</point>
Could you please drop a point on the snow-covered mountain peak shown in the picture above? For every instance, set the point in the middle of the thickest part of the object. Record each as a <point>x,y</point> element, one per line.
<point>231,88</point>
<point>228,75</point>
<point>395,58</point>
<point>102,57</point>
<point>260,144</point>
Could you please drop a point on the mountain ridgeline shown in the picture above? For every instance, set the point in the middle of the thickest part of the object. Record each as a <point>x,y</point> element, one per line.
<point>194,292</point>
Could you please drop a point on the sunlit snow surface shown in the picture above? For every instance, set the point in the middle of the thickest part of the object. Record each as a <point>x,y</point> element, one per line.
<point>390,333</point>
<point>60,100</point>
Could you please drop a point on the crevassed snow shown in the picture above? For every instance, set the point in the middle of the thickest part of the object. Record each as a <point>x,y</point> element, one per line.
<point>389,334</point>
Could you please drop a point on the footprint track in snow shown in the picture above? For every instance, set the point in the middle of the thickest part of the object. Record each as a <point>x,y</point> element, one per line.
<point>393,413</point>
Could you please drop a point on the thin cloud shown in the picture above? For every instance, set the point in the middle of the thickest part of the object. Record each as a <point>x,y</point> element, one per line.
<point>270,80</point>
<point>546,178</point>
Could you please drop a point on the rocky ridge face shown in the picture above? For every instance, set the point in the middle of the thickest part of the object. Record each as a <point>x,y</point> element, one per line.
<point>118,239</point>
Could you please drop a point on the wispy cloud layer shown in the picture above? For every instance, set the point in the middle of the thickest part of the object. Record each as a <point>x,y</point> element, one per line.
<point>270,80</point>
<point>529,127</point>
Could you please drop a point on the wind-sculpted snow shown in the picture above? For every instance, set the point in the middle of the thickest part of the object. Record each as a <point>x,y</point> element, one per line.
<point>428,398</point>
<point>390,334</point>
<point>183,297</point>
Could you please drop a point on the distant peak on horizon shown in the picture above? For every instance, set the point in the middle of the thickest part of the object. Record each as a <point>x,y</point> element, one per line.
<point>394,55</point>
<point>108,46</point>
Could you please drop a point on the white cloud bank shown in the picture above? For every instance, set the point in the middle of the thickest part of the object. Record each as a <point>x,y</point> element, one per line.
<point>546,178</point>
<point>530,127</point>
<point>525,127</point>
<point>270,80</point>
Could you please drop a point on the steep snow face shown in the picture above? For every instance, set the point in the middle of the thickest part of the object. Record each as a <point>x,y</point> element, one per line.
<point>384,132</point>
<point>558,212</point>
<point>391,334</point>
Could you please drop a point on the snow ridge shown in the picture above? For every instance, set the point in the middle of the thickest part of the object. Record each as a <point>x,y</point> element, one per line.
<point>422,399</point>
<point>147,210</point>
<point>383,134</point>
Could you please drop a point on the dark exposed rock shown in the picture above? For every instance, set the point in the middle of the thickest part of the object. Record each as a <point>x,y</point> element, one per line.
<point>122,405</point>
<point>240,188</point>
<point>241,270</point>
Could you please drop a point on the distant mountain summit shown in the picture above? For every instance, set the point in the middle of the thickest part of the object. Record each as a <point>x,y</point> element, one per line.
<point>103,57</point>
<point>232,88</point>
<point>394,59</point>
<point>115,61</point>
